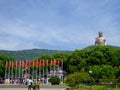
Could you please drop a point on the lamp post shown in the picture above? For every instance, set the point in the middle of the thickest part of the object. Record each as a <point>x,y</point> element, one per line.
<point>90,72</point>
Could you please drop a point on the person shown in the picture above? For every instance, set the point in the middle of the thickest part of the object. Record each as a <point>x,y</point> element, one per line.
<point>38,84</point>
<point>29,82</point>
<point>100,40</point>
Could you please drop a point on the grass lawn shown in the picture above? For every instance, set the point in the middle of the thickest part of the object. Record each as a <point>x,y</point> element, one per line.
<point>95,87</point>
<point>116,89</point>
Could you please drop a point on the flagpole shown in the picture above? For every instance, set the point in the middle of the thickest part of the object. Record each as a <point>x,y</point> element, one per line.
<point>39,69</point>
<point>62,71</point>
<point>47,70</point>
<point>28,68</point>
<point>12,68</point>
<point>43,71</point>
<point>9,70</point>
<point>15,69</point>
<point>6,70</point>
<point>50,66</point>
<point>19,69</point>
<point>33,70</point>
<point>54,67</point>
<point>36,68</point>
<point>22,67</point>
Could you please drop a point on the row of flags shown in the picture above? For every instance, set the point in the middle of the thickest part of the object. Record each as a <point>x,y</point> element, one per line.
<point>33,63</point>
<point>35,69</point>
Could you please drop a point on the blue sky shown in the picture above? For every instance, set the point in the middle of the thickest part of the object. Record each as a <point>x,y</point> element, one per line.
<point>57,24</point>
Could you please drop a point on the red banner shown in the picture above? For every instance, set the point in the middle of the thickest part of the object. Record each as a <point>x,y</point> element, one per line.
<point>44,63</point>
<point>39,63</point>
<point>11,64</point>
<point>31,64</point>
<point>25,64</point>
<point>35,63</point>
<point>53,62</point>
<point>21,64</point>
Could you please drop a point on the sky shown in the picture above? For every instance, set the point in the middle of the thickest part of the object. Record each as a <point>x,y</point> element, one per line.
<point>57,24</point>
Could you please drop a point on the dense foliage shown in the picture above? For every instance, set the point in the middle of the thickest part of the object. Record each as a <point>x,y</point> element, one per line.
<point>76,78</point>
<point>3,59</point>
<point>54,80</point>
<point>83,59</point>
<point>103,61</point>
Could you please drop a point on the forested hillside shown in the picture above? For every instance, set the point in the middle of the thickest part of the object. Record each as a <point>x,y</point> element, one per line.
<point>30,54</point>
<point>92,46</point>
<point>102,63</point>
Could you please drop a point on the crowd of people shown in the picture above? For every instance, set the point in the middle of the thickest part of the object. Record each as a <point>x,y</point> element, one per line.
<point>18,81</point>
<point>22,81</point>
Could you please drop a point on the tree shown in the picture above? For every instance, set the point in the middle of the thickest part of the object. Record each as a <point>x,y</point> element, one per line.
<point>101,55</point>
<point>77,61</point>
<point>3,59</point>
<point>73,80</point>
<point>104,72</point>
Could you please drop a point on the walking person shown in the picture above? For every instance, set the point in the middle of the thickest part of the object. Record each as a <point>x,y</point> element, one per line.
<point>38,84</point>
<point>29,82</point>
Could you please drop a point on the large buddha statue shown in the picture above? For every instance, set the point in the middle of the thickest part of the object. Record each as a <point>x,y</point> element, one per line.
<point>100,40</point>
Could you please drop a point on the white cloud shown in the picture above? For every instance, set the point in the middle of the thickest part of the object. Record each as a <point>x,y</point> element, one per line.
<point>60,25</point>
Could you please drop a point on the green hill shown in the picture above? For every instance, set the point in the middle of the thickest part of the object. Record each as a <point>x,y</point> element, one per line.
<point>30,54</point>
<point>92,46</point>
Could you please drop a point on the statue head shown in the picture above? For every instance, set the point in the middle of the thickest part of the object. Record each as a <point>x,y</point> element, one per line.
<point>100,34</point>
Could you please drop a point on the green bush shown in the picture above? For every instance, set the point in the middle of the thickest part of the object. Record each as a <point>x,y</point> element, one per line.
<point>73,80</point>
<point>55,80</point>
<point>34,86</point>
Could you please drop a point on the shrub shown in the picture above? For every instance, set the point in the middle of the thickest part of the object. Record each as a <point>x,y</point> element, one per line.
<point>73,80</point>
<point>55,80</point>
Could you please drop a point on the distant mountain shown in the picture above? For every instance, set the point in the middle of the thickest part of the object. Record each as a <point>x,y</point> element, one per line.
<point>92,46</point>
<point>30,54</point>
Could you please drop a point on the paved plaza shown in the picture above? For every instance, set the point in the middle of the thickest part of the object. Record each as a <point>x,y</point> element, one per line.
<point>13,89</point>
<point>24,87</point>
<point>31,89</point>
